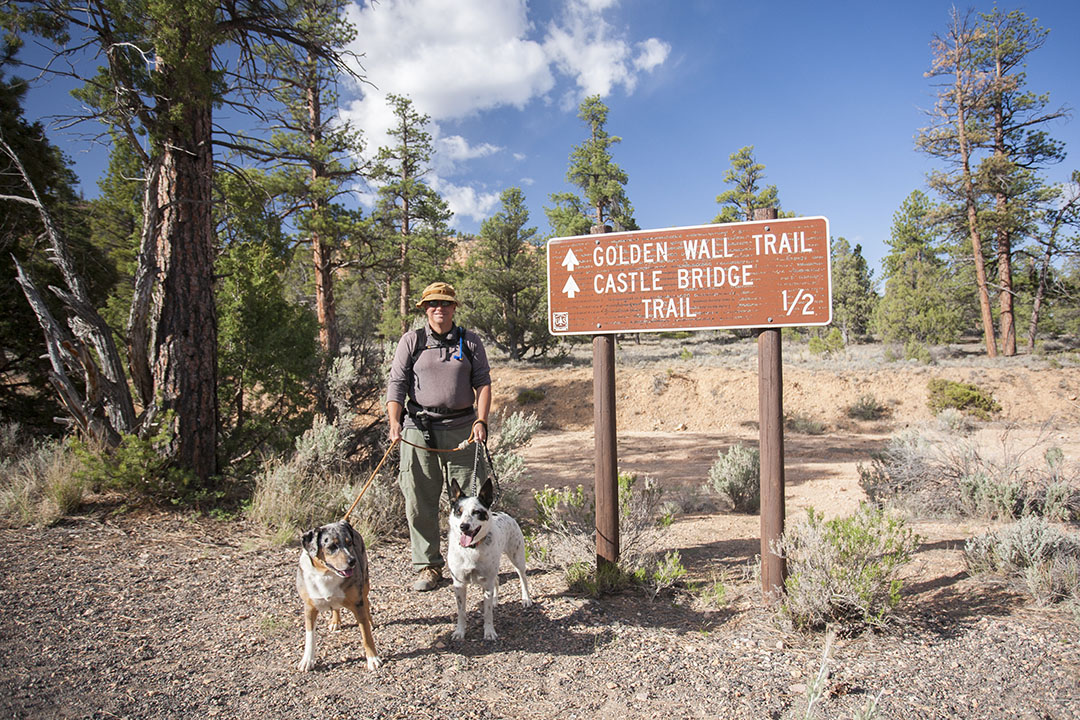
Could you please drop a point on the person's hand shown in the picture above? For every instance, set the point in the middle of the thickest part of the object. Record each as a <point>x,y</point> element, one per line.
<point>479,432</point>
<point>395,431</point>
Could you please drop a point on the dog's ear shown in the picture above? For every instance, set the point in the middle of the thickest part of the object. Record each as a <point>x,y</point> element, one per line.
<point>310,542</point>
<point>455,491</point>
<point>357,538</point>
<point>487,493</point>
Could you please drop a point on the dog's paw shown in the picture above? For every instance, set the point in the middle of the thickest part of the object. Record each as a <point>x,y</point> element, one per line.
<point>457,635</point>
<point>335,622</point>
<point>526,602</point>
<point>374,663</point>
<point>490,634</point>
<point>307,664</point>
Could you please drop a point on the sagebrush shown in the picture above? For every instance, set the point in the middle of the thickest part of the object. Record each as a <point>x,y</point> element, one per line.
<point>1043,558</point>
<point>566,537</point>
<point>844,571</point>
<point>939,474</point>
<point>736,475</point>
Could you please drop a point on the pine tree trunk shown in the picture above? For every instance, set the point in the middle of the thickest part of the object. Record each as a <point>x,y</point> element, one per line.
<point>972,216</point>
<point>324,276</point>
<point>404,289</point>
<point>1005,300</point>
<point>324,295</point>
<point>1004,238</point>
<point>1040,293</point>
<point>184,336</point>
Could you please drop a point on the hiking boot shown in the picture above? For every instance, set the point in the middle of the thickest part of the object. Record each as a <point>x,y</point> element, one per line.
<point>428,579</point>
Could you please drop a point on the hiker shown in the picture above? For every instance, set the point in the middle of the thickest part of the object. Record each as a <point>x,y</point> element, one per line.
<point>438,396</point>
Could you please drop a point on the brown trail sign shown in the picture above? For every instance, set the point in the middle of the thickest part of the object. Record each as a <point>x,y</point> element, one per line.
<point>774,273</point>
<point>764,274</point>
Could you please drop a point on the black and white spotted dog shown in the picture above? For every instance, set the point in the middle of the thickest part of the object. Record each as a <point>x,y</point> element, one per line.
<point>478,539</point>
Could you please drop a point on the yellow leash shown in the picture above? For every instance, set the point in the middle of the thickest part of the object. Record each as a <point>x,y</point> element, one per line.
<point>368,483</point>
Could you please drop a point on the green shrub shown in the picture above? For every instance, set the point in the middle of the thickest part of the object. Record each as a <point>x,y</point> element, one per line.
<point>667,574</point>
<point>990,497</point>
<point>964,397</point>
<point>529,396</point>
<point>828,345</point>
<point>736,475</point>
<point>868,407</point>
<point>566,519</point>
<point>685,354</point>
<point>915,350</point>
<point>942,475</point>
<point>712,594</point>
<point>803,424</point>
<point>907,467</point>
<point>137,465</point>
<point>845,571</point>
<point>508,435</point>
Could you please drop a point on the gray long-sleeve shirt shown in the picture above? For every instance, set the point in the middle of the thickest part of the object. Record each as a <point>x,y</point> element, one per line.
<point>443,375</point>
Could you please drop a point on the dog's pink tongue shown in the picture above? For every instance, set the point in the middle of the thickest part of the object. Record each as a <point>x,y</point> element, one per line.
<point>465,540</point>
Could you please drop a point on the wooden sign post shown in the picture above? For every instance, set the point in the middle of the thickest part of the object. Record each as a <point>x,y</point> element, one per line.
<point>606,473</point>
<point>766,274</point>
<point>771,449</point>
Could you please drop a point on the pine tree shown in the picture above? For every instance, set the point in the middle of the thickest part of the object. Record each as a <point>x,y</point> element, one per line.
<point>314,149</point>
<point>268,352</point>
<point>1059,235</point>
<point>852,290</point>
<point>745,174</point>
<point>602,182</point>
<point>955,131</point>
<point>411,212</point>
<point>505,282</point>
<point>165,67</point>
<point>919,302</point>
<point>1018,146</point>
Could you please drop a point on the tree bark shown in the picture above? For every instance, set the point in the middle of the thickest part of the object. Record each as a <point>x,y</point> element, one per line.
<point>321,254</point>
<point>1004,238</point>
<point>184,340</point>
<point>969,197</point>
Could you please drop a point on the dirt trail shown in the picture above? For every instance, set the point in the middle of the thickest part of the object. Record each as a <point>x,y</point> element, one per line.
<point>175,616</point>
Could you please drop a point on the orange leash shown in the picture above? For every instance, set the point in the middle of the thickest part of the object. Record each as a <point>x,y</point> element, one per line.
<point>368,483</point>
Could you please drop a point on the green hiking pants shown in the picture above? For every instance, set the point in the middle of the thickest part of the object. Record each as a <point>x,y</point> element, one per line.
<point>423,477</point>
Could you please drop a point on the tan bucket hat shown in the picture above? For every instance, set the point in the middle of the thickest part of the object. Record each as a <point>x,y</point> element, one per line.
<point>438,291</point>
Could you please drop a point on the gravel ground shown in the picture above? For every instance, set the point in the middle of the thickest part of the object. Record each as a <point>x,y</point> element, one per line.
<point>182,617</point>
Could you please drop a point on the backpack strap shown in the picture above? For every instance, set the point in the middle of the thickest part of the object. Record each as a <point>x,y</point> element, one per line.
<point>421,345</point>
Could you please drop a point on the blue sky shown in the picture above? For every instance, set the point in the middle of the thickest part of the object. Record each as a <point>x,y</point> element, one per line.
<point>829,93</point>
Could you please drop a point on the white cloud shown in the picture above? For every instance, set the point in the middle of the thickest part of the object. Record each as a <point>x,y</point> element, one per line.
<point>585,47</point>
<point>452,58</point>
<point>460,58</point>
<point>467,201</point>
<point>651,54</point>
<point>457,148</point>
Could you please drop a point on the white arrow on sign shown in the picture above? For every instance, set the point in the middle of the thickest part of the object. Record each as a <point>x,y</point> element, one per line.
<point>571,288</point>
<point>570,262</point>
